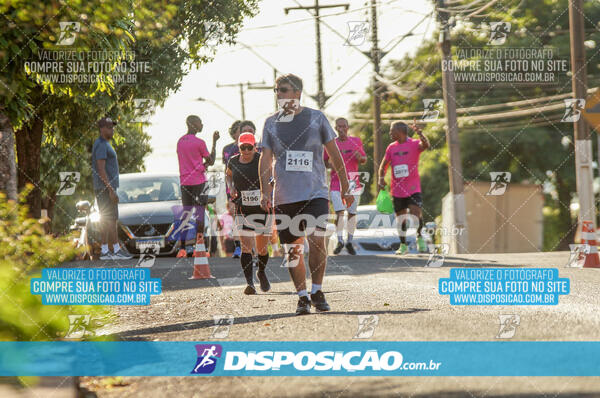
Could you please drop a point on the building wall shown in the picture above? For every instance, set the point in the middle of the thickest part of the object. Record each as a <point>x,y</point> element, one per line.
<point>508,223</point>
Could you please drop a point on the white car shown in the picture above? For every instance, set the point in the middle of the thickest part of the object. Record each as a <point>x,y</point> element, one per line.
<point>376,233</point>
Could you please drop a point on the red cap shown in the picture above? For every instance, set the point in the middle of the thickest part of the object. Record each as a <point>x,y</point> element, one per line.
<point>246,138</point>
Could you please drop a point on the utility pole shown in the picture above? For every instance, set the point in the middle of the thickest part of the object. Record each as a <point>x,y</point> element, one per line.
<point>241,86</point>
<point>375,57</point>
<point>321,98</point>
<point>460,244</point>
<point>583,142</point>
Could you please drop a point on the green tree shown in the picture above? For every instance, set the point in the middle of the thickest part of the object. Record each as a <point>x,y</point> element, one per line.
<point>532,153</point>
<point>24,251</point>
<point>171,37</point>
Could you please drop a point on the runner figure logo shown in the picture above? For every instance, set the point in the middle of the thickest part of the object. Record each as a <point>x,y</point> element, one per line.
<point>207,358</point>
<point>366,326</point>
<point>78,325</point>
<point>68,32</point>
<point>184,220</point>
<point>431,109</point>
<point>508,326</point>
<point>292,255</point>
<point>357,181</point>
<point>222,325</point>
<point>287,107</point>
<point>577,256</point>
<point>498,32</point>
<point>68,182</point>
<point>500,180</point>
<point>357,33</point>
<point>143,109</point>
<point>214,180</point>
<point>437,254</point>
<point>573,108</point>
<point>148,253</point>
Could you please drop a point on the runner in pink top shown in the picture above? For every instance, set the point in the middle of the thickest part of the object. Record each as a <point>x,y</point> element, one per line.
<point>403,156</point>
<point>351,149</point>
<point>191,152</point>
<point>194,158</point>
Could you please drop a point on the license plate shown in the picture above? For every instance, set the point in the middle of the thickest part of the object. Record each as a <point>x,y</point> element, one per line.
<point>149,242</point>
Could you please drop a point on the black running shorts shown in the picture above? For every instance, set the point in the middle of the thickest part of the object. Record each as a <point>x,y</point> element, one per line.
<point>298,216</point>
<point>402,203</point>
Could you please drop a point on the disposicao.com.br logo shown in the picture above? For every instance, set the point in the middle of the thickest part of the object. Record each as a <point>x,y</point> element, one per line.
<point>337,361</point>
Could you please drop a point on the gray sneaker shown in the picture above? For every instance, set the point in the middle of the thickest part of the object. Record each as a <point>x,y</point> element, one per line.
<point>121,255</point>
<point>106,256</point>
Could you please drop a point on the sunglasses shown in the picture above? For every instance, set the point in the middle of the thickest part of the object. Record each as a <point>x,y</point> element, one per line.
<point>281,89</point>
<point>246,147</point>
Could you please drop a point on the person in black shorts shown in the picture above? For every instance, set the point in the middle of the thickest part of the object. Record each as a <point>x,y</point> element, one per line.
<point>402,157</point>
<point>194,158</point>
<point>295,138</point>
<point>253,223</point>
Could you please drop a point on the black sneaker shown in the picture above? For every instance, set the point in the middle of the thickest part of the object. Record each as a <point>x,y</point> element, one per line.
<point>265,286</point>
<point>318,300</point>
<point>350,249</point>
<point>338,248</point>
<point>303,306</point>
<point>250,290</point>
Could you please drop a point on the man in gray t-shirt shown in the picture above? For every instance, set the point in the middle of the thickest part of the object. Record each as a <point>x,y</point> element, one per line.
<point>295,138</point>
<point>298,149</point>
<point>105,175</point>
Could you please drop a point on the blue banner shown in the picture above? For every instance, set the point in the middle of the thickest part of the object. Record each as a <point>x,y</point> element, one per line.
<point>96,286</point>
<point>504,286</point>
<point>299,358</point>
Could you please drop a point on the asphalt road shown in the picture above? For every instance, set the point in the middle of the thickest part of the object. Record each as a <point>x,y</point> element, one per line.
<point>399,290</point>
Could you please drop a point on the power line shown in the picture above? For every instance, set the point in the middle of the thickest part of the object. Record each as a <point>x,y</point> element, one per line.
<point>310,19</point>
<point>321,98</point>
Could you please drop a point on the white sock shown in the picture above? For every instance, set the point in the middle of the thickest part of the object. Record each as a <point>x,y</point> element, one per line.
<point>315,287</point>
<point>104,249</point>
<point>303,293</point>
<point>340,237</point>
<point>116,247</point>
<point>350,238</point>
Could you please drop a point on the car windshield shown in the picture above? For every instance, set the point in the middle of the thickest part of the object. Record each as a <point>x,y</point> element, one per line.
<point>148,189</point>
<point>367,219</point>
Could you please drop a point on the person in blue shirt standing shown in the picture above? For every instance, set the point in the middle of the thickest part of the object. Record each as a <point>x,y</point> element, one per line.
<point>105,173</point>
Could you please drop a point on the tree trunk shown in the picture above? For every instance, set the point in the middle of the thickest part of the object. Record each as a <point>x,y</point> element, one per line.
<point>48,203</point>
<point>29,144</point>
<point>8,167</point>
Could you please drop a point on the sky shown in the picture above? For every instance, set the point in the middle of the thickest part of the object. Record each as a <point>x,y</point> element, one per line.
<point>286,42</point>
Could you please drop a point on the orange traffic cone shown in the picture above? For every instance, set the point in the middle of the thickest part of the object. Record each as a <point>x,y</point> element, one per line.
<point>588,236</point>
<point>201,268</point>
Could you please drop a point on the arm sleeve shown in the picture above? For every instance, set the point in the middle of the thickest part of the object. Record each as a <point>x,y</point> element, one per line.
<point>204,150</point>
<point>327,133</point>
<point>101,151</point>
<point>361,149</point>
<point>266,137</point>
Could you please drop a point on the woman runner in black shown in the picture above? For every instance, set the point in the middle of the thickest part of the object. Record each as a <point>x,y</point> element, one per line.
<point>254,224</point>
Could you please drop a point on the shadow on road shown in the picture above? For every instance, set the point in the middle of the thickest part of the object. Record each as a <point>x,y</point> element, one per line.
<point>174,273</point>
<point>137,334</point>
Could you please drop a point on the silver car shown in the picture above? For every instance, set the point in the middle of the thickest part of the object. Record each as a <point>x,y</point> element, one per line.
<point>376,233</point>
<point>146,215</point>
